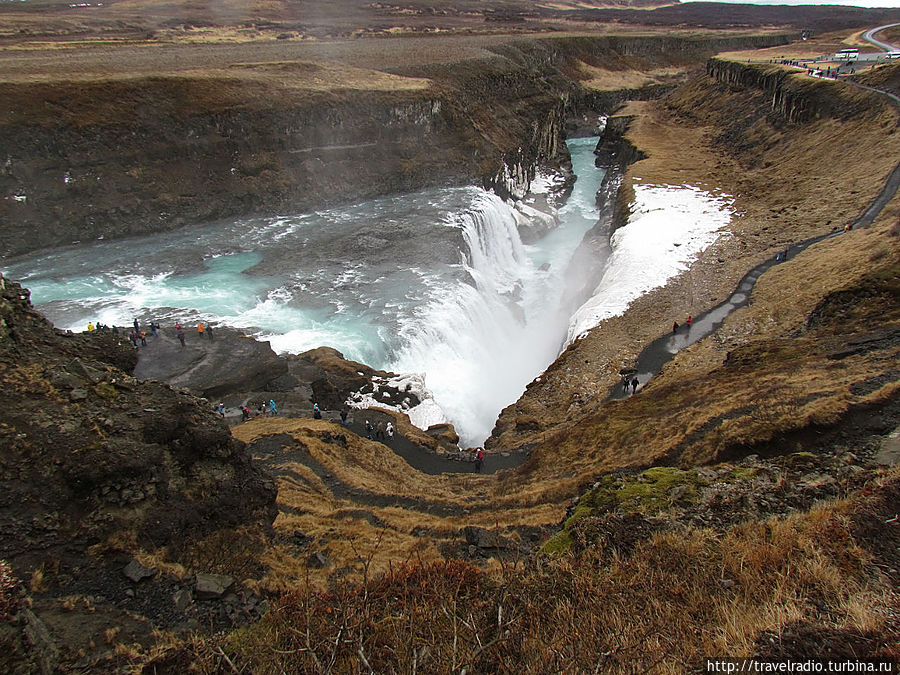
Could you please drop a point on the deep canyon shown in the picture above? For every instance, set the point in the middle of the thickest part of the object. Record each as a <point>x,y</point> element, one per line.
<point>382,193</point>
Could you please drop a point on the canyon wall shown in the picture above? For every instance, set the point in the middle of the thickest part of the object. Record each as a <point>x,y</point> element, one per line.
<point>90,159</point>
<point>778,134</point>
<point>793,99</point>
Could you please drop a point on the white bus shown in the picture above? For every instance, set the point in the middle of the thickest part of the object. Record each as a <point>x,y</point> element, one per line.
<point>847,54</point>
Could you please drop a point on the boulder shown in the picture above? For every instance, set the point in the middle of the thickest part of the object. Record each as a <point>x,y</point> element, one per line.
<point>211,586</point>
<point>317,560</point>
<point>486,540</point>
<point>230,363</point>
<point>445,435</point>
<point>136,572</point>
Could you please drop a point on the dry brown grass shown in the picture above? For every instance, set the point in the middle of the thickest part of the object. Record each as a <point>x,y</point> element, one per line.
<point>601,79</point>
<point>377,523</point>
<point>783,382</point>
<point>678,598</point>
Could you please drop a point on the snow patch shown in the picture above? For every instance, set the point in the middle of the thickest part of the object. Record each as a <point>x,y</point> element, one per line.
<point>545,182</point>
<point>668,228</point>
<point>424,415</point>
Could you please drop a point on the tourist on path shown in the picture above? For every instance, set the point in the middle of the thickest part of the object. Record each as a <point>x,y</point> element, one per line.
<point>674,326</point>
<point>317,414</point>
<point>379,431</point>
<point>690,322</point>
<point>389,429</point>
<point>369,429</point>
<point>90,327</point>
<point>137,327</point>
<point>479,460</point>
<point>272,409</point>
<point>245,413</point>
<point>154,328</point>
<point>180,336</point>
<point>200,330</point>
<point>634,385</point>
<point>220,408</point>
<point>143,339</point>
<point>209,332</point>
<point>343,416</point>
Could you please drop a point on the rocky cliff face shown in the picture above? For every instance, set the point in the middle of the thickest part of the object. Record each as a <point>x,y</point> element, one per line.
<point>792,98</point>
<point>111,158</point>
<point>91,454</point>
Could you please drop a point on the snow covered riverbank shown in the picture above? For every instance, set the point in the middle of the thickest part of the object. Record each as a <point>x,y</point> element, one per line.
<point>668,228</point>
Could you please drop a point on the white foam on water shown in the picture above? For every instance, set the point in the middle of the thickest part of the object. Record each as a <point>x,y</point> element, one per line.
<point>669,227</point>
<point>478,344</point>
<point>475,329</point>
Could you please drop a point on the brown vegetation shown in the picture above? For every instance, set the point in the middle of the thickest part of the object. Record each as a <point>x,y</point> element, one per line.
<point>673,600</point>
<point>375,567</point>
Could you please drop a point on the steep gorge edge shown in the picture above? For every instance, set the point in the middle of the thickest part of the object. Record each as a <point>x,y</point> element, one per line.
<point>758,107</point>
<point>588,449</point>
<point>117,157</point>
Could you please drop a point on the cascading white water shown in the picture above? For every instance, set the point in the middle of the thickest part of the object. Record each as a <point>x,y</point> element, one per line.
<point>480,345</point>
<point>437,283</point>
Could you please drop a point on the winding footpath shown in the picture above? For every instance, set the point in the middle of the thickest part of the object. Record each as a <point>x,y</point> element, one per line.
<point>651,360</point>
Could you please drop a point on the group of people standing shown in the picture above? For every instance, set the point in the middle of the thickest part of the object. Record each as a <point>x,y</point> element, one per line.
<point>380,431</point>
<point>629,381</point>
<point>202,329</point>
<point>138,335</point>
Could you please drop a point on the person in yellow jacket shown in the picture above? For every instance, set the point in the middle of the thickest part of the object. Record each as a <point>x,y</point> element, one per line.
<point>90,327</point>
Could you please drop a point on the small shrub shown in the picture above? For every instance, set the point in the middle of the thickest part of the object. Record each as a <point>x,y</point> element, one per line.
<point>37,583</point>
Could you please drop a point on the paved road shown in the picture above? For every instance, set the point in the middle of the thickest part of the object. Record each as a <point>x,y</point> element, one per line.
<point>869,36</point>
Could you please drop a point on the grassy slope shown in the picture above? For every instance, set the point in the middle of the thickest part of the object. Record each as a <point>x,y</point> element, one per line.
<point>813,567</point>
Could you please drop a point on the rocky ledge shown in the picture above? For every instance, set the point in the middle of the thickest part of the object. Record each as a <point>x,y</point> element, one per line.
<point>99,468</point>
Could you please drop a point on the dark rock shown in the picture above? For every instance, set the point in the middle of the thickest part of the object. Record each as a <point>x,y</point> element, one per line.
<point>183,599</point>
<point>486,540</point>
<point>317,560</point>
<point>136,572</point>
<point>211,586</point>
<point>445,435</point>
<point>211,368</point>
<point>42,642</point>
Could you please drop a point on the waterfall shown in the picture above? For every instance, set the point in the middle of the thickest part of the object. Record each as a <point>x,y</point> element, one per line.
<point>436,283</point>
<point>473,339</point>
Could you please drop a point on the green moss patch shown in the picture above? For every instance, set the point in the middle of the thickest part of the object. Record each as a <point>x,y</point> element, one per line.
<point>558,543</point>
<point>106,390</point>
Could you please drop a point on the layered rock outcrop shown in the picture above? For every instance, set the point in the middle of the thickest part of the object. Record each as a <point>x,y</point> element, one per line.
<point>91,454</point>
<point>793,98</point>
<point>106,157</point>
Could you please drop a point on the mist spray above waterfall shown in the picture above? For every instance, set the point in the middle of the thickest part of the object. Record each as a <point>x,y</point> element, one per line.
<point>436,282</point>
<point>481,340</point>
